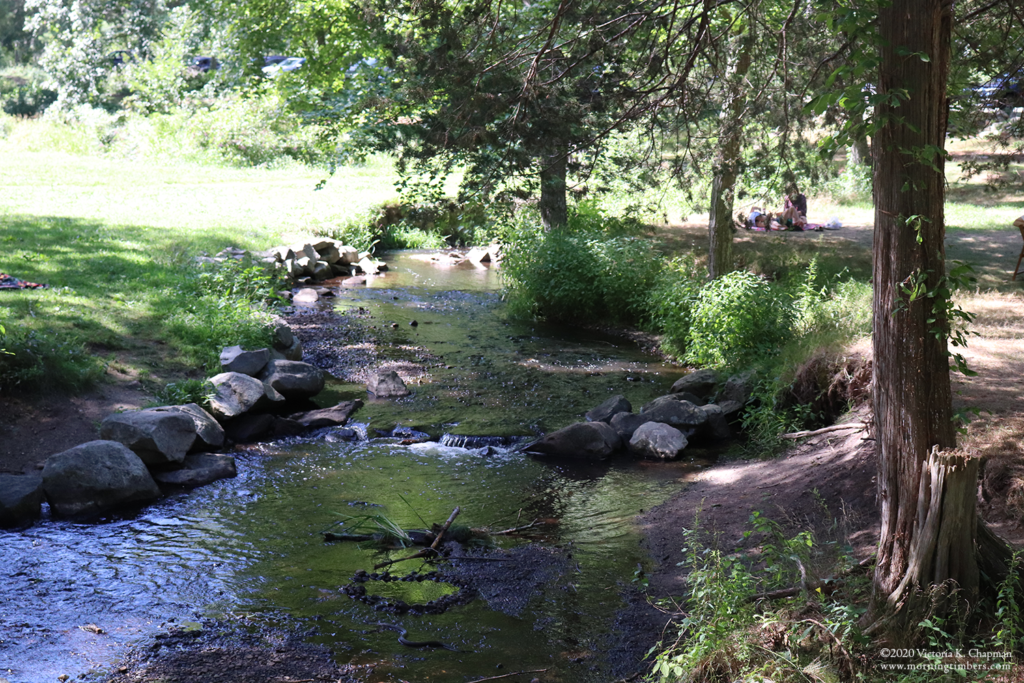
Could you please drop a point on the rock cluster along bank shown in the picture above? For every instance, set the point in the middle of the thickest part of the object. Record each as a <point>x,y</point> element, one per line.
<point>699,409</point>
<point>263,393</point>
<point>312,261</point>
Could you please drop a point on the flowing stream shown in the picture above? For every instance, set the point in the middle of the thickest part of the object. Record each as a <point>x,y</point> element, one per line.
<point>251,547</point>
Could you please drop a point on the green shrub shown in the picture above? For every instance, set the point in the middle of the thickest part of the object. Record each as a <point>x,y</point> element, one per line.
<point>582,276</point>
<point>33,361</point>
<point>671,301</point>
<point>737,319</point>
<point>198,391</point>
<point>404,236</point>
<point>23,91</point>
<point>222,305</point>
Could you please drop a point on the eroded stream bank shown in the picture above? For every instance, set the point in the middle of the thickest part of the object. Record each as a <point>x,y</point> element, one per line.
<point>249,550</point>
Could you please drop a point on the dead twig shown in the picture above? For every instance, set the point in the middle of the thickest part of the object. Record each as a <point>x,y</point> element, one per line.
<point>432,550</point>
<point>514,673</point>
<point>824,430</point>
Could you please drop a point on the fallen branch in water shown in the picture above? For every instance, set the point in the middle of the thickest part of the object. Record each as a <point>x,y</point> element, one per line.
<point>824,430</point>
<point>515,530</point>
<point>514,673</point>
<point>432,550</point>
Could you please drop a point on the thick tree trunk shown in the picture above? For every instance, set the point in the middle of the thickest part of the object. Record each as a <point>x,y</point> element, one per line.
<point>727,162</point>
<point>927,494</point>
<point>553,209</point>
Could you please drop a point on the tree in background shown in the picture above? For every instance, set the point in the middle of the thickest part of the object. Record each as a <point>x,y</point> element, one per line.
<point>79,38</point>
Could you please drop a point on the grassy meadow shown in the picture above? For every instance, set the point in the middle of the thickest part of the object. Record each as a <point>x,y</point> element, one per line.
<point>114,230</point>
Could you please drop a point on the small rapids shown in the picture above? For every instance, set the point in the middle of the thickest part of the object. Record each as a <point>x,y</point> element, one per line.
<point>75,596</point>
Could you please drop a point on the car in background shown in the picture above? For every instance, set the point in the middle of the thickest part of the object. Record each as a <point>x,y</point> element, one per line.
<point>287,64</point>
<point>1002,92</point>
<point>202,65</point>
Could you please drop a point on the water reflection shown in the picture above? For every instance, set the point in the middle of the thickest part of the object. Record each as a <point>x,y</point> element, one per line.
<point>74,596</point>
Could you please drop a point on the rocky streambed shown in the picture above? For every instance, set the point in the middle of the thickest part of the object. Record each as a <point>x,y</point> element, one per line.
<point>249,551</point>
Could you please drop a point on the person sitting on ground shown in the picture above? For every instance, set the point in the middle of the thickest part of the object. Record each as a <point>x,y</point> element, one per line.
<point>794,212</point>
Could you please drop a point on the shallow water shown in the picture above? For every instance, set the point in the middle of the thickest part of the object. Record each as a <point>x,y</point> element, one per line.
<point>252,545</point>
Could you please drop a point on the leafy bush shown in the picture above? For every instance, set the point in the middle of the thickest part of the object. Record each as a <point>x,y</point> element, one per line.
<point>198,391</point>
<point>737,319</point>
<point>671,300</point>
<point>569,275</point>
<point>23,91</point>
<point>404,236</point>
<point>34,361</point>
<point>253,131</point>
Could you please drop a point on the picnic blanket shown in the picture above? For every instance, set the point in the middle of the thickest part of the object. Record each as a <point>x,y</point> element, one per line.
<point>11,282</point>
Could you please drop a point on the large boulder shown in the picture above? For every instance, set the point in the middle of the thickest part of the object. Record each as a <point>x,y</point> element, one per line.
<point>657,441</point>
<point>700,383</point>
<point>294,379</point>
<point>738,388</point>
<point>605,411</point>
<point>209,433</point>
<point>685,397</point>
<point>21,499</point>
<point>235,359</point>
<point>96,476</point>
<point>625,424</point>
<point>717,427</point>
<point>327,417</point>
<point>237,394</point>
<point>583,440</point>
<point>198,470</point>
<point>249,427</point>
<point>281,335</point>
<point>156,437</point>
<point>680,414</point>
<point>387,384</point>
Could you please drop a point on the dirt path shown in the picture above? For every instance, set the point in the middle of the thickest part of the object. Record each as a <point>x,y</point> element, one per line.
<point>828,482</point>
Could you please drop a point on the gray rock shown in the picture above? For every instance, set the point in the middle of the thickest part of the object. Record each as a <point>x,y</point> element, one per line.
<point>282,335</point>
<point>387,384</point>
<point>338,269</point>
<point>700,383</point>
<point>235,359</point>
<point>349,255</point>
<point>321,270</point>
<point>369,266</point>
<point>293,352</point>
<point>209,433</point>
<point>717,427</point>
<point>156,437</point>
<point>657,441</point>
<point>294,379</point>
<point>21,499</point>
<point>249,427</point>
<point>306,296</point>
<point>738,388</point>
<point>328,252</point>
<point>305,265</point>
<point>625,424</point>
<point>198,470</point>
<point>285,426</point>
<point>605,411</point>
<point>479,255</point>
<point>238,394</point>
<point>680,414</point>
<point>669,398</point>
<point>328,417</point>
<point>730,409</point>
<point>583,440</point>
<point>96,476</point>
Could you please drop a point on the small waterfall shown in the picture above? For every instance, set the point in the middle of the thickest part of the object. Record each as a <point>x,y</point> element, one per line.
<point>466,441</point>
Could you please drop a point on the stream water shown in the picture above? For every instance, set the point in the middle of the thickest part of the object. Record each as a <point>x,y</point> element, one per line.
<point>252,546</point>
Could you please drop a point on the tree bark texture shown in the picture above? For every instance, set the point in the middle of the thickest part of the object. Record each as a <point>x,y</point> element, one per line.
<point>926,495</point>
<point>553,208</point>
<point>727,162</point>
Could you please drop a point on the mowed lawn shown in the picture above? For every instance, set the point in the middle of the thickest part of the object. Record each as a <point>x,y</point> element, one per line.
<point>167,203</point>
